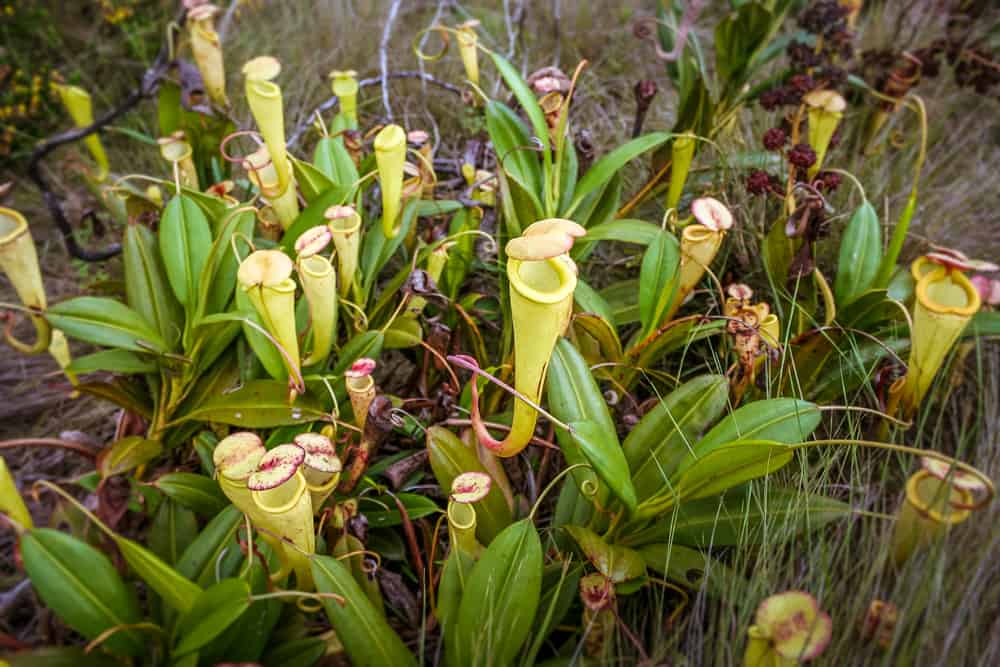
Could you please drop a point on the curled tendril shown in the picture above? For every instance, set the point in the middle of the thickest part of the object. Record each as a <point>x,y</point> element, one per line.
<point>240,133</point>
<point>443,32</point>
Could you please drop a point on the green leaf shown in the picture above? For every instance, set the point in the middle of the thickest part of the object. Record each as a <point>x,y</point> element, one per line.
<point>606,167</point>
<point>738,38</point>
<point>147,291</point>
<point>590,300</point>
<point>81,586</point>
<point>172,531</point>
<point>984,323</point>
<point>454,574</point>
<point>573,395</point>
<point>514,149</point>
<point>449,458</point>
<point>623,297</point>
<point>606,455</point>
<point>106,322</point>
<point>742,517</point>
<point>185,241</point>
<point>603,333</point>
<point>625,230</point>
<point>860,255</point>
<point>331,158</point>
<point>176,590</point>
<point>665,434</point>
<point>128,453</point>
<point>658,280</point>
<point>692,569</point>
<point>258,404</point>
<point>60,656</point>
<point>216,609</point>
<point>196,492</point>
<point>615,562</point>
<point>362,629</point>
<point>312,215</point>
<point>311,180</point>
<point>218,278</point>
<point>382,512</point>
<point>113,361</point>
<point>525,97</point>
<point>305,652</point>
<point>731,465</point>
<point>785,420</point>
<point>198,561</point>
<point>500,600</point>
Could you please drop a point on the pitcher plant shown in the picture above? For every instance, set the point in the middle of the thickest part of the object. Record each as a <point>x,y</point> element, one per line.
<point>944,302</point>
<point>265,277</point>
<point>207,50</point>
<point>19,260</point>
<point>319,283</point>
<point>542,281</point>
<point>390,156</point>
<point>264,98</point>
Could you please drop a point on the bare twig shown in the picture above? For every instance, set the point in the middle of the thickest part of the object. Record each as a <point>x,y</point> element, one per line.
<point>383,55</point>
<point>49,442</point>
<point>147,88</point>
<point>227,19</point>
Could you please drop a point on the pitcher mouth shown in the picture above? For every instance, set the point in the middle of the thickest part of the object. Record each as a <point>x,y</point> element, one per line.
<point>282,498</point>
<point>543,281</point>
<point>697,233</point>
<point>958,500</point>
<point>958,297</point>
<point>12,225</point>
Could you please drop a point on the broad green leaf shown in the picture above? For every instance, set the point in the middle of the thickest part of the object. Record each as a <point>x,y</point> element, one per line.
<point>625,230</point>
<point>196,492</point>
<point>601,332</point>
<point>213,611</point>
<point>615,562</point>
<point>218,278</point>
<point>608,165</point>
<point>604,453</point>
<point>198,561</point>
<point>312,215</point>
<point>983,323</point>
<point>658,280</point>
<point>305,652</point>
<point>113,361</point>
<point>738,38</point>
<point>382,511</point>
<point>623,299</point>
<point>185,241</point>
<point>173,529</point>
<point>573,395</point>
<point>176,590</point>
<point>128,453</point>
<point>311,180</point>
<point>60,656</point>
<point>860,255</point>
<point>785,420</point>
<point>106,322</point>
<point>147,290</point>
<point>81,586</point>
<point>731,465</point>
<point>454,574</point>
<point>258,404</point>
<point>515,151</point>
<point>590,300</point>
<point>742,517</point>
<point>449,458</point>
<point>525,96</point>
<point>331,158</point>
<point>667,433</point>
<point>500,600</point>
<point>560,588</point>
<point>692,569</point>
<point>362,629</point>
